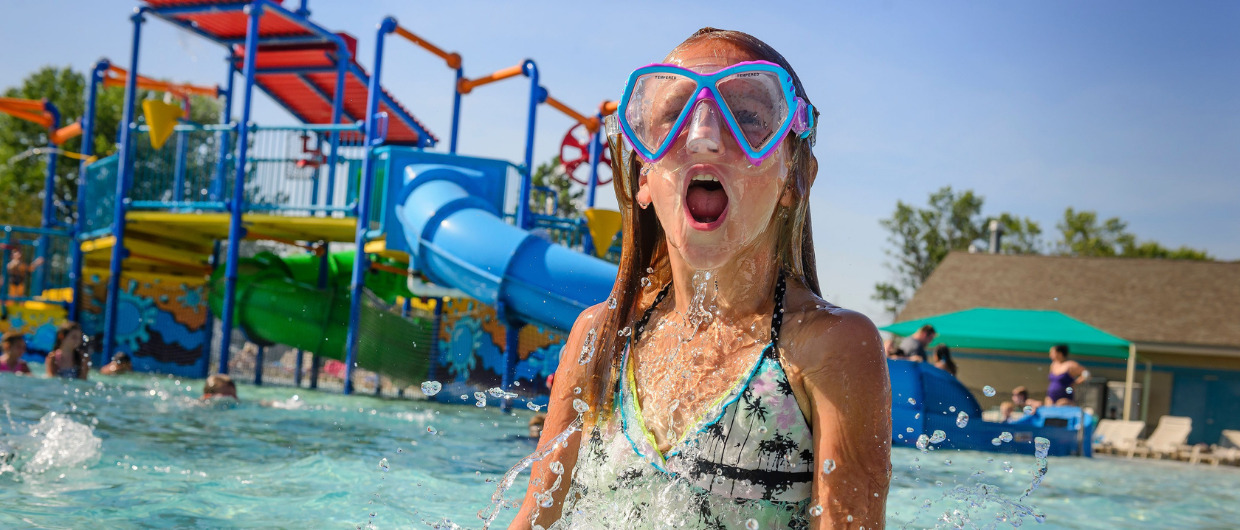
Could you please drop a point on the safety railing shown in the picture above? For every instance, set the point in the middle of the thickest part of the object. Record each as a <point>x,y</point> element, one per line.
<point>41,270</point>
<point>99,185</point>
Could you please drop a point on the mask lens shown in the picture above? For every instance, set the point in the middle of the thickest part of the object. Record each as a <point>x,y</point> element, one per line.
<point>758,105</point>
<point>657,102</point>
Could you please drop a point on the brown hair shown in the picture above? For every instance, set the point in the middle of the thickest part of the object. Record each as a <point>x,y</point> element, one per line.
<point>643,248</point>
<point>11,336</point>
<point>63,331</point>
<point>217,383</point>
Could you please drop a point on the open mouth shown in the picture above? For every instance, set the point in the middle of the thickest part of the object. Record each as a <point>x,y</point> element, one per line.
<point>706,201</point>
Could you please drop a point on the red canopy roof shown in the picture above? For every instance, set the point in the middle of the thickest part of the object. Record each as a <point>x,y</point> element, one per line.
<point>294,67</point>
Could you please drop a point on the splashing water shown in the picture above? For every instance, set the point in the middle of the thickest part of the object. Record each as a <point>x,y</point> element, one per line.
<point>1005,437</point>
<point>938,436</point>
<point>988,390</point>
<point>533,406</point>
<point>431,388</point>
<point>962,419</point>
<point>489,513</point>
<point>828,466</point>
<point>588,347</point>
<point>580,406</point>
<point>63,443</point>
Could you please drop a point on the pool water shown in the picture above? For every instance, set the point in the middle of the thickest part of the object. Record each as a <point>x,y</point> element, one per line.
<point>142,449</point>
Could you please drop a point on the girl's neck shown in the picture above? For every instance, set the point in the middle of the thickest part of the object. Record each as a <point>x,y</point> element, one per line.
<point>8,357</point>
<point>740,288</point>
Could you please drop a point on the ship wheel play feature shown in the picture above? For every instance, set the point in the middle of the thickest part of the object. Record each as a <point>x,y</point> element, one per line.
<point>575,157</point>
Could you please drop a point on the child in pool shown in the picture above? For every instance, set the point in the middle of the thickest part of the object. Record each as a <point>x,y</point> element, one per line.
<point>120,364</point>
<point>718,389</point>
<point>13,346</point>
<point>219,386</point>
<point>67,359</point>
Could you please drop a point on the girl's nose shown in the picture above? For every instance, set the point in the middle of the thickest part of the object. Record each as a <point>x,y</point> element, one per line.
<point>705,136</point>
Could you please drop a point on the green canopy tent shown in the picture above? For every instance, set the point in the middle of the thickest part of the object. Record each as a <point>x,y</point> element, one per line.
<point>1025,330</point>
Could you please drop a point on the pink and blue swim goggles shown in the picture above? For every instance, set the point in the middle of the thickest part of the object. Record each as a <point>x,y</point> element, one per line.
<point>757,100</point>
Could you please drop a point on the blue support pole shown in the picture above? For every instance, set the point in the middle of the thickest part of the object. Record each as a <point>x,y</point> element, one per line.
<point>596,150</point>
<point>537,95</point>
<point>4,273</point>
<point>79,226</point>
<point>436,322</point>
<point>456,108</point>
<point>258,366</point>
<point>512,348</point>
<point>342,62</point>
<point>360,263</point>
<point>124,174</point>
<point>237,205</point>
<point>221,165</point>
<point>210,324</point>
<point>39,278</point>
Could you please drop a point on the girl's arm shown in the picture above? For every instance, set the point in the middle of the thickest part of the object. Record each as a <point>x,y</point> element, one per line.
<point>83,365</point>
<point>560,414</point>
<point>844,374</point>
<point>49,362</point>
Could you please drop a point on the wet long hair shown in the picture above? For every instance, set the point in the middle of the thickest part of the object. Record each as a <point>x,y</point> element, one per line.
<point>643,247</point>
<point>63,331</point>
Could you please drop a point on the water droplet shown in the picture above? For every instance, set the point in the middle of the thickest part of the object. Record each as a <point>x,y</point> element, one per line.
<point>828,466</point>
<point>849,518</point>
<point>1005,436</point>
<point>556,468</point>
<point>480,396</point>
<point>645,282</point>
<point>496,392</point>
<point>816,510</point>
<point>912,401</point>
<point>947,462</point>
<point>383,464</point>
<point>1041,446</point>
<point>762,429</point>
<point>1007,466</point>
<point>431,388</point>
<point>430,430</point>
<point>989,391</point>
<point>464,397</point>
<point>587,347</point>
<point>1068,390</point>
<point>751,524</point>
<point>937,437</point>
<point>649,270</point>
<point>923,443</point>
<point>996,442</point>
<point>908,429</point>
<point>482,403</point>
<point>580,406</point>
<point>1028,409</point>
<point>952,408</point>
<point>532,406</point>
<point>611,303</point>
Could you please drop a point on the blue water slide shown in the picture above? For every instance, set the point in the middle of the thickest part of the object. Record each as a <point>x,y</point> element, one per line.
<point>447,213</point>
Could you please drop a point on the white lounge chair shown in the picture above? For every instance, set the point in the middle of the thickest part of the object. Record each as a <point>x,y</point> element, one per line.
<point>1226,450</point>
<point>1167,439</point>
<point>1116,436</point>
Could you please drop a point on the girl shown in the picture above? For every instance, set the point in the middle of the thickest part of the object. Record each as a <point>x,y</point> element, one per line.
<point>66,358</point>
<point>13,346</point>
<point>715,388</point>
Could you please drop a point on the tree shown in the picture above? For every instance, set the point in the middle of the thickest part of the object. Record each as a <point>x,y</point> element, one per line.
<point>569,202</point>
<point>923,237</point>
<point>1081,234</point>
<point>1020,235</point>
<point>22,176</point>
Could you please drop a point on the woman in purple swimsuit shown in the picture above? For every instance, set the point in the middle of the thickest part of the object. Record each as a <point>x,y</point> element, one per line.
<point>1064,374</point>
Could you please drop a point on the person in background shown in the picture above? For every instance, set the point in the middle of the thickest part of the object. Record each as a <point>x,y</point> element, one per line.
<point>12,347</point>
<point>121,364</point>
<point>893,352</point>
<point>915,346</point>
<point>19,273</point>
<point>1020,400</point>
<point>943,359</point>
<point>1064,375</point>
<point>67,358</point>
<point>219,386</point>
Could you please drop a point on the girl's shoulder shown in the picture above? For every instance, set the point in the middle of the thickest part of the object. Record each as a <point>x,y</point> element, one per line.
<point>817,336</point>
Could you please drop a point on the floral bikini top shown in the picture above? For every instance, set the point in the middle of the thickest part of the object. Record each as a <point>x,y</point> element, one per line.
<point>749,457</point>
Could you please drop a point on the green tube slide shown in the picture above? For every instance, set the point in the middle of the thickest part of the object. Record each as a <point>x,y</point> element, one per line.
<point>278,302</point>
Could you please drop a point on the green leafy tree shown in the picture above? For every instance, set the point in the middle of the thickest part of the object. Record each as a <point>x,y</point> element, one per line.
<point>1020,235</point>
<point>1083,234</point>
<point>22,173</point>
<point>922,237</point>
<point>569,200</point>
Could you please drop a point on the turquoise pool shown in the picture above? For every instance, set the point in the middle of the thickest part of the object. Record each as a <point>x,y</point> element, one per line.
<point>143,450</point>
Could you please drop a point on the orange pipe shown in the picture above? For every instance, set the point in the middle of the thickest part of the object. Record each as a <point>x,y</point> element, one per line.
<point>467,85</point>
<point>28,105</point>
<point>178,89</point>
<point>608,107</point>
<point>38,119</point>
<point>453,59</point>
<point>590,123</point>
<point>59,136</point>
<point>388,268</point>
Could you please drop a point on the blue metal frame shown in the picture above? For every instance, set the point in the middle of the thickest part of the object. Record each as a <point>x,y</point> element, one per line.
<point>88,150</point>
<point>221,164</point>
<point>360,263</point>
<point>537,95</point>
<point>342,60</point>
<point>124,175</point>
<point>236,232</point>
<point>596,149</point>
<point>39,279</point>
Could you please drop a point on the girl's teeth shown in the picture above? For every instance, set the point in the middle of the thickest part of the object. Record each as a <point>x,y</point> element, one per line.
<point>708,178</point>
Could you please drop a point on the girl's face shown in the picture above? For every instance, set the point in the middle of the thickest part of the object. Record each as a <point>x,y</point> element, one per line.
<point>16,348</point>
<point>73,339</point>
<point>712,203</point>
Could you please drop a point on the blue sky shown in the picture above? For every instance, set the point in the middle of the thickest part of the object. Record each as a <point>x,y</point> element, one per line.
<point>1131,109</point>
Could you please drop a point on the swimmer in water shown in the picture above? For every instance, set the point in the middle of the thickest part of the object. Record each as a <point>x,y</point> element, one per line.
<point>718,389</point>
<point>67,359</point>
<point>219,386</point>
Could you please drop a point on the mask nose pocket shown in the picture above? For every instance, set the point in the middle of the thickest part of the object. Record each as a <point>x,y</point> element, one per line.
<point>704,129</point>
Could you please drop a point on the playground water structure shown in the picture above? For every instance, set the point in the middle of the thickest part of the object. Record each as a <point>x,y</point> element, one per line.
<point>144,448</point>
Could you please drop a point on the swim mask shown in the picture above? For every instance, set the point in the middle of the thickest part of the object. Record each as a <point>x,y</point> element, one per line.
<point>757,100</point>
